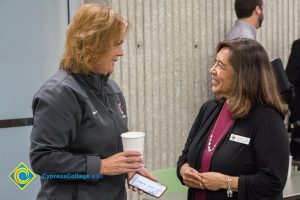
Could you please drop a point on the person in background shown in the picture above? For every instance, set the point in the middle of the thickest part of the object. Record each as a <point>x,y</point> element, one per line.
<point>238,145</point>
<point>293,74</point>
<point>79,114</point>
<point>250,17</point>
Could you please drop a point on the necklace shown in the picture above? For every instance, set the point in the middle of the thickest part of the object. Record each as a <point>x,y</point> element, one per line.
<point>211,148</point>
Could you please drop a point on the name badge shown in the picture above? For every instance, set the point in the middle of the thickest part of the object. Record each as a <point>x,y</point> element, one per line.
<point>239,139</point>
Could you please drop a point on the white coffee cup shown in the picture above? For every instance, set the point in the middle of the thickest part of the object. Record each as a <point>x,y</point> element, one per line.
<point>133,141</point>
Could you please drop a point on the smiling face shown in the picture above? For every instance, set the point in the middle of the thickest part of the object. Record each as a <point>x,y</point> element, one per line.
<point>106,64</point>
<point>222,74</point>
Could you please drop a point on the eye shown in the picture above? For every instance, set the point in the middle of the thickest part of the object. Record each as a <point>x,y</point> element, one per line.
<point>216,62</point>
<point>119,43</point>
<point>219,64</point>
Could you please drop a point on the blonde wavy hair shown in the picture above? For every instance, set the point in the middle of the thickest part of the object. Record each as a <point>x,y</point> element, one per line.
<point>90,36</point>
<point>254,80</point>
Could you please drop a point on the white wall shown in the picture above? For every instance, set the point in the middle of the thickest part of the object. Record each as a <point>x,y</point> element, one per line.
<point>32,37</point>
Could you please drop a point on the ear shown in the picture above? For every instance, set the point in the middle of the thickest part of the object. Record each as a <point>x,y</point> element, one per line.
<point>258,10</point>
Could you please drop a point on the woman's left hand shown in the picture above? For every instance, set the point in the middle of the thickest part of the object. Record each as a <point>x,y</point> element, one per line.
<point>143,171</point>
<point>214,181</point>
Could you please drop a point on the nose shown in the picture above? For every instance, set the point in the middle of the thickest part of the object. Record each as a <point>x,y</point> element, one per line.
<point>120,51</point>
<point>213,68</point>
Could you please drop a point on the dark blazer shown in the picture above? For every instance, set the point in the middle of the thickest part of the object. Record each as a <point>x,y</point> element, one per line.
<point>293,66</point>
<point>261,165</point>
<point>293,73</point>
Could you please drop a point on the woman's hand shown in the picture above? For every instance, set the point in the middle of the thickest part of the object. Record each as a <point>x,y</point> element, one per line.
<point>143,171</point>
<point>191,177</point>
<point>120,163</point>
<point>214,181</point>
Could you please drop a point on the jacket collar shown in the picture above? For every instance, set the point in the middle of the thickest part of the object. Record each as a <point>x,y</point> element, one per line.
<point>95,80</point>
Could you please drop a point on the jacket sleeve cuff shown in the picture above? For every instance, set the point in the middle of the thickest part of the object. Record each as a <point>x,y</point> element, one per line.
<point>241,187</point>
<point>93,165</point>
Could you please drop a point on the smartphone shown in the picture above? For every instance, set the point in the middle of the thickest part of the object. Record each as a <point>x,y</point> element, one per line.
<point>147,185</point>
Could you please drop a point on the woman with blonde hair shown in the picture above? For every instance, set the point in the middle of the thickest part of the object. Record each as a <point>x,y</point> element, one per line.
<point>238,147</point>
<point>79,114</point>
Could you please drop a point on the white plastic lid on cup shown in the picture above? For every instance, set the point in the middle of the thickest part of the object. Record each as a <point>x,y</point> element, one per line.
<point>133,141</point>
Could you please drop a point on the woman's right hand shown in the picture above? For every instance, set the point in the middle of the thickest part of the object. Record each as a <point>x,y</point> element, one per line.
<point>120,163</point>
<point>191,177</point>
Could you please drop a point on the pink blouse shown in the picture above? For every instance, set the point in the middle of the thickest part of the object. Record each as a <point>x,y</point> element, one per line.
<point>219,130</point>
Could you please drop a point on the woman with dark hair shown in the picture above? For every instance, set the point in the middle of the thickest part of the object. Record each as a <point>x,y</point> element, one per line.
<point>238,147</point>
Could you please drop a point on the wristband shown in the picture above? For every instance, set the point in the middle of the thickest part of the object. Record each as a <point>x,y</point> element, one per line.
<point>229,191</point>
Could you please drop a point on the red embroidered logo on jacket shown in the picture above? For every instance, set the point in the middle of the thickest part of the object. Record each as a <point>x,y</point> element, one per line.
<point>121,108</point>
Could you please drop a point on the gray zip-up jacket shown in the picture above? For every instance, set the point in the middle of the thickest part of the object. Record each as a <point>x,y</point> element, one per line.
<point>77,122</point>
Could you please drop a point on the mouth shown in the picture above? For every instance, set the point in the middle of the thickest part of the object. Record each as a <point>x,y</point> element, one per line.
<point>114,61</point>
<point>214,81</point>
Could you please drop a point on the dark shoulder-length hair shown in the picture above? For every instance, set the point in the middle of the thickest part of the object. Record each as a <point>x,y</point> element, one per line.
<point>254,80</point>
<point>90,36</point>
